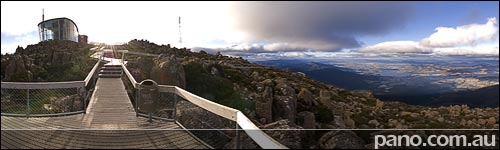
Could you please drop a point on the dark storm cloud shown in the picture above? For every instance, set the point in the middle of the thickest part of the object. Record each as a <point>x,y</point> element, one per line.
<point>326,26</point>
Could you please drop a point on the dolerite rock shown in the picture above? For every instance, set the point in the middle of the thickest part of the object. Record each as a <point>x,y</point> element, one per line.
<point>289,138</point>
<point>325,98</point>
<point>66,104</point>
<point>306,119</point>
<point>264,104</point>
<point>305,99</point>
<point>57,57</point>
<point>214,71</point>
<point>263,84</point>
<point>143,71</point>
<point>66,58</point>
<point>18,69</point>
<point>167,71</point>
<point>285,101</point>
<point>341,139</point>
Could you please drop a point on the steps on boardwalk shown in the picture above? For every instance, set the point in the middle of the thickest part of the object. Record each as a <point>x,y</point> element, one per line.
<point>110,71</point>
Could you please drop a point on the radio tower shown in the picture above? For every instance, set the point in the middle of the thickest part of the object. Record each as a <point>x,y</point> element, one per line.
<point>43,26</point>
<point>180,35</point>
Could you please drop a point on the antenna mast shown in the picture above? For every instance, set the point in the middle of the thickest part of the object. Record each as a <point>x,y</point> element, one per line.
<point>180,35</point>
<point>43,26</point>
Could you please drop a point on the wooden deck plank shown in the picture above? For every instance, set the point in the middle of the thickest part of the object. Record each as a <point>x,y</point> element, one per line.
<point>109,109</point>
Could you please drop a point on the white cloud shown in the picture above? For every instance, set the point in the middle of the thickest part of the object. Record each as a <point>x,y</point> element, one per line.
<point>479,50</point>
<point>473,39</point>
<point>18,40</point>
<point>467,35</point>
<point>283,47</point>
<point>396,47</point>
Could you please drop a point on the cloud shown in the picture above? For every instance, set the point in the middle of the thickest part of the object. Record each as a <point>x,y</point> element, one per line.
<point>481,50</point>
<point>327,26</point>
<point>10,42</point>
<point>396,47</point>
<point>467,35</point>
<point>239,49</point>
<point>463,40</point>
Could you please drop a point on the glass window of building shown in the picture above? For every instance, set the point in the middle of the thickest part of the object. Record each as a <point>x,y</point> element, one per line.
<point>58,29</point>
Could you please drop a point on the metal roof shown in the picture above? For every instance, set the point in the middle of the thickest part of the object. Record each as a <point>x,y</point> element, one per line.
<point>61,18</point>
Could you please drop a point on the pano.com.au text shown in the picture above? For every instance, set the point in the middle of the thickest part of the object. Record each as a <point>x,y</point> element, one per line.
<point>434,141</point>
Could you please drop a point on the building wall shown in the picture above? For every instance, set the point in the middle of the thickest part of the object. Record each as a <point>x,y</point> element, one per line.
<point>82,39</point>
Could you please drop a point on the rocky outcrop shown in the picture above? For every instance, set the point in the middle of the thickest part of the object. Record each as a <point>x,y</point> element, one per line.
<point>289,138</point>
<point>325,97</point>
<point>305,100</point>
<point>264,104</point>
<point>167,71</point>
<point>285,101</point>
<point>66,104</point>
<point>306,119</point>
<point>341,139</point>
<point>143,71</point>
<point>349,122</point>
<point>48,61</point>
<point>19,69</point>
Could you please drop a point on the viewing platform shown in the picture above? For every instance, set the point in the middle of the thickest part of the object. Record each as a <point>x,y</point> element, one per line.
<point>102,112</point>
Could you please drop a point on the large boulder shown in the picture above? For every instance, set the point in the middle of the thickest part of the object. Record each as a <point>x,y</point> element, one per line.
<point>306,119</point>
<point>341,139</point>
<point>289,138</point>
<point>66,104</point>
<point>285,101</point>
<point>66,58</point>
<point>264,104</point>
<point>142,69</point>
<point>305,99</point>
<point>325,98</point>
<point>18,69</point>
<point>284,108</point>
<point>167,71</point>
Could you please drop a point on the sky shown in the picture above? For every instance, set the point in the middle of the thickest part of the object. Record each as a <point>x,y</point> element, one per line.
<point>289,29</point>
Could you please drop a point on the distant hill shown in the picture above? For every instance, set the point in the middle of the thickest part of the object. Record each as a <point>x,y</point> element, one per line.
<point>423,94</point>
<point>329,74</point>
<point>487,96</point>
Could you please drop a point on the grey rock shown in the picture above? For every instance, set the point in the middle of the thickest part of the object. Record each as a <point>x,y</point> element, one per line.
<point>341,140</point>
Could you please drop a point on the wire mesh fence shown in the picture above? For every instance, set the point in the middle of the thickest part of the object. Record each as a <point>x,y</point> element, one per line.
<point>42,101</point>
<point>14,101</point>
<point>211,128</point>
<point>47,98</point>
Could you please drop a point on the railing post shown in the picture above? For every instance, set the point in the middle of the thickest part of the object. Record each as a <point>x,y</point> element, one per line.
<point>238,145</point>
<point>82,92</point>
<point>27,103</point>
<point>175,107</point>
<point>136,99</point>
<point>123,56</point>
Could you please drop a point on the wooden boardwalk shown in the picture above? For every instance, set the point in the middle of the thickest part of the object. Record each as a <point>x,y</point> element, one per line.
<point>110,107</point>
<point>109,122</point>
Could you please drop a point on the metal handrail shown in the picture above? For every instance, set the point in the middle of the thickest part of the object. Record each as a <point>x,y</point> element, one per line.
<point>129,76</point>
<point>42,85</point>
<point>89,76</point>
